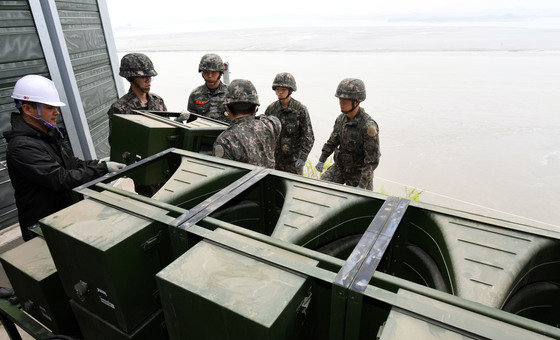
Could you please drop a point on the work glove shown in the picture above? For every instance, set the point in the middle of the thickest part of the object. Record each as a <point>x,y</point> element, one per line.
<point>114,166</point>
<point>300,162</point>
<point>183,117</point>
<point>320,166</point>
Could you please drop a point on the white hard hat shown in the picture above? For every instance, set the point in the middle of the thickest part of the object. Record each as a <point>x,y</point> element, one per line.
<point>38,89</point>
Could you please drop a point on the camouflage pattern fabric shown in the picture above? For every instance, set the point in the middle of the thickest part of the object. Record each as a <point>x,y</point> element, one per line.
<point>130,102</point>
<point>284,80</point>
<point>249,139</point>
<point>355,144</point>
<point>351,88</point>
<point>242,91</point>
<point>211,62</point>
<point>209,103</point>
<point>296,138</point>
<point>136,65</point>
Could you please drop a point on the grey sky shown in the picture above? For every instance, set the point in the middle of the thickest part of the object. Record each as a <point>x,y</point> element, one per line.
<point>219,14</point>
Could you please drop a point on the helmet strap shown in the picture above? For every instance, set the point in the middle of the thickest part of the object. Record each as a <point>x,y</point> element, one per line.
<point>213,82</point>
<point>354,106</point>
<point>43,121</point>
<point>288,96</point>
<point>133,83</point>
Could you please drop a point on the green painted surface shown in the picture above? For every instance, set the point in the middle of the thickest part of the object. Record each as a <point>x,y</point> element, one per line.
<point>113,255</point>
<point>93,327</point>
<point>195,180</point>
<point>33,258</point>
<point>33,275</point>
<point>252,297</point>
<point>310,212</point>
<point>420,317</point>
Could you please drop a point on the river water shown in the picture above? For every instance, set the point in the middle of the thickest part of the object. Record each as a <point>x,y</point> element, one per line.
<point>477,131</point>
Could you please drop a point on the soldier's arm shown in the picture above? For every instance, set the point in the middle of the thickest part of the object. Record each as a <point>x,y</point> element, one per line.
<point>222,150</point>
<point>191,105</point>
<point>112,111</point>
<point>307,137</point>
<point>163,107</point>
<point>371,152</point>
<point>332,143</point>
<point>276,127</point>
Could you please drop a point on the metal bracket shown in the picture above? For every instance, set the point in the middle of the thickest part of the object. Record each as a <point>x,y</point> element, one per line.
<point>304,305</point>
<point>220,198</point>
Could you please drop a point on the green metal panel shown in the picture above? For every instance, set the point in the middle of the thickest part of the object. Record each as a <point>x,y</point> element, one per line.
<point>87,47</point>
<point>155,131</point>
<point>107,258</point>
<point>94,328</point>
<point>420,317</point>
<point>195,179</point>
<point>34,278</point>
<point>254,300</point>
<point>476,260</point>
<point>13,314</point>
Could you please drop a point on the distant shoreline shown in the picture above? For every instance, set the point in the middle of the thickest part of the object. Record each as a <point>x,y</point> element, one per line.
<point>377,39</point>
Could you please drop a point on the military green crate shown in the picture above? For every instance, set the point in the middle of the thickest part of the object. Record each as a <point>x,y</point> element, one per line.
<point>215,293</point>
<point>33,276</point>
<point>107,258</point>
<point>94,328</point>
<point>144,134</point>
<point>427,318</point>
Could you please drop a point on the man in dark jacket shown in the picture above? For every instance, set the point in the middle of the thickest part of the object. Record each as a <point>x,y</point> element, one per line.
<point>42,167</point>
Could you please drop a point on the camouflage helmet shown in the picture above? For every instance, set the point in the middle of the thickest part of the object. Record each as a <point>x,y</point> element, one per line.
<point>241,91</point>
<point>136,65</point>
<point>351,88</point>
<point>211,62</point>
<point>286,80</point>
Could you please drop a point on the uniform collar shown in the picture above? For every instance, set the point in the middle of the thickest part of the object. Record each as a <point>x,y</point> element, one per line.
<point>220,89</point>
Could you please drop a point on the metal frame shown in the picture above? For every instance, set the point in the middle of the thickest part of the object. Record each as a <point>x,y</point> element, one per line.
<point>50,32</point>
<point>111,47</point>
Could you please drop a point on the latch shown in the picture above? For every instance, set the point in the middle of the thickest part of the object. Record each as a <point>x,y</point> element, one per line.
<point>81,289</point>
<point>152,242</point>
<point>304,305</point>
<point>172,140</point>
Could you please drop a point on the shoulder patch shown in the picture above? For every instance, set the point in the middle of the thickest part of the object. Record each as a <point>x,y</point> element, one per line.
<point>219,151</point>
<point>371,131</point>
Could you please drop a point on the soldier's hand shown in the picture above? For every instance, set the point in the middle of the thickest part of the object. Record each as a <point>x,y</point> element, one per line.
<point>320,166</point>
<point>114,166</point>
<point>184,116</point>
<point>300,162</point>
<point>359,186</point>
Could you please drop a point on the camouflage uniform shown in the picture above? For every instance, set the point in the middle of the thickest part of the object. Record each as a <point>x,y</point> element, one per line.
<point>209,103</point>
<point>355,142</point>
<point>296,139</point>
<point>205,101</point>
<point>356,151</point>
<point>248,139</point>
<point>135,65</point>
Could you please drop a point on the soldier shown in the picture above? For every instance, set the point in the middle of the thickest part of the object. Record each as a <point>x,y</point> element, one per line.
<point>138,70</point>
<point>296,138</point>
<point>354,140</point>
<point>248,139</point>
<point>208,99</point>
<point>41,164</point>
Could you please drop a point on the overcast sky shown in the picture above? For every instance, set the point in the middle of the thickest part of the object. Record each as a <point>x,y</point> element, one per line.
<point>220,14</point>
